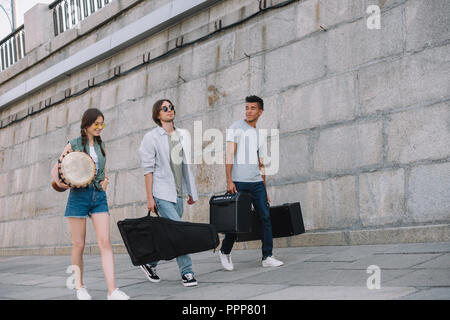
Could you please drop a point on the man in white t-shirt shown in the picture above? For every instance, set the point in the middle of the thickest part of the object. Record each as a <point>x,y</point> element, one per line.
<point>245,173</point>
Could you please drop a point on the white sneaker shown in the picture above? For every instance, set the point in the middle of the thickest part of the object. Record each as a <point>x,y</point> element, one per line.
<point>117,294</point>
<point>83,294</point>
<point>271,262</point>
<point>225,259</point>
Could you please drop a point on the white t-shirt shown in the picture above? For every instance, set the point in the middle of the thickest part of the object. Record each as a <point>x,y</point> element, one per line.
<point>250,147</point>
<point>93,155</point>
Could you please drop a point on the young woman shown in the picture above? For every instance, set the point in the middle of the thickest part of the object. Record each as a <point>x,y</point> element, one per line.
<point>91,202</point>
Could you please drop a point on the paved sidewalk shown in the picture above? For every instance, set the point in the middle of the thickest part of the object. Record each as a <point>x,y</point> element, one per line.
<point>408,271</point>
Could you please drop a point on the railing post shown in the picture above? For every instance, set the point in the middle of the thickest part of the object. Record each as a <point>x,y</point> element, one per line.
<point>41,24</point>
<point>38,24</point>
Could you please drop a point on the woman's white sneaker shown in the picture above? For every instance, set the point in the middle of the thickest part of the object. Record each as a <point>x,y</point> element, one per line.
<point>225,259</point>
<point>271,262</point>
<point>118,295</point>
<point>83,294</point>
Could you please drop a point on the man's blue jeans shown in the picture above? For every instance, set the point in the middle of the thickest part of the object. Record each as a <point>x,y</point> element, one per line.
<point>174,211</point>
<point>258,190</point>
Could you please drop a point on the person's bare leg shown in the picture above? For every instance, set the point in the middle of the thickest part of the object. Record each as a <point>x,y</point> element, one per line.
<point>78,234</point>
<point>101,225</point>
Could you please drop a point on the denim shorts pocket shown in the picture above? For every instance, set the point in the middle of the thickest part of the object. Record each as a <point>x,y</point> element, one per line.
<point>103,195</point>
<point>77,204</point>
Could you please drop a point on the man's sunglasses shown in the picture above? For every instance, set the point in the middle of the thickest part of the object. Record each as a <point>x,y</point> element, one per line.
<point>165,109</point>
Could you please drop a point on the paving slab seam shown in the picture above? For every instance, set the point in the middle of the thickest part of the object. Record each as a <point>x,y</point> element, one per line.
<point>399,276</point>
<point>421,289</point>
<point>396,253</point>
<point>387,269</point>
<point>273,292</point>
<point>409,273</point>
<point>137,283</point>
<point>332,261</point>
<point>432,287</point>
<point>431,259</point>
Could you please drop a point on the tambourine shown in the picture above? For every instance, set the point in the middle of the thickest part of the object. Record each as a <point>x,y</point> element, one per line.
<point>76,169</point>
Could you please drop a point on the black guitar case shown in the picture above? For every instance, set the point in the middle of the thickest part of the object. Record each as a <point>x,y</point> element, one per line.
<point>150,239</point>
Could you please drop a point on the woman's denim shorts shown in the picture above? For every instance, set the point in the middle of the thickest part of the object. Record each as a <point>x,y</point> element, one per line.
<point>86,201</point>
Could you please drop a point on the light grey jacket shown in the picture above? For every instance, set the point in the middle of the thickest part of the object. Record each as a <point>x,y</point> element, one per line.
<point>154,153</point>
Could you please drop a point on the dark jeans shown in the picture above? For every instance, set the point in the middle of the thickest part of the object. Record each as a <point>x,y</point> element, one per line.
<point>258,190</point>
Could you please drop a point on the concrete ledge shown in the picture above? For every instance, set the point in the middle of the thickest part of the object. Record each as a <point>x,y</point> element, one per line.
<point>419,234</point>
<point>432,233</point>
<point>330,238</point>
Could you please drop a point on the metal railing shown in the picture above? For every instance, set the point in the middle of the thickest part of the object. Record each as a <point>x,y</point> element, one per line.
<point>67,13</point>
<point>12,48</point>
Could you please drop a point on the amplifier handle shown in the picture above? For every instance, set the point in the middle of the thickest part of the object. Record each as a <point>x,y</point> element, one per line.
<point>224,203</point>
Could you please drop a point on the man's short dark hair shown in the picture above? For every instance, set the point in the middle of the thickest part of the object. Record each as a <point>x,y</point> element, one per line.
<point>255,99</point>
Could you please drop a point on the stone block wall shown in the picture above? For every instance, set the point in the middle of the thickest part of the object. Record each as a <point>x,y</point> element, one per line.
<point>363,118</point>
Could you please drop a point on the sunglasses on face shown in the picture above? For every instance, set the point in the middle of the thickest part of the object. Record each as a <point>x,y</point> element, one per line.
<point>165,108</point>
<point>99,125</point>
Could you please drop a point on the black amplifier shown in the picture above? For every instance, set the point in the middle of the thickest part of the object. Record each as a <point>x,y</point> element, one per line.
<point>231,212</point>
<point>286,220</point>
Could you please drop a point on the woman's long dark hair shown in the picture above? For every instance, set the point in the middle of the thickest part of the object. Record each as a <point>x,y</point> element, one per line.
<point>89,117</point>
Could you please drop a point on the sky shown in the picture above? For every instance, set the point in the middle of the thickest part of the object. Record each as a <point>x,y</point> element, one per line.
<point>21,7</point>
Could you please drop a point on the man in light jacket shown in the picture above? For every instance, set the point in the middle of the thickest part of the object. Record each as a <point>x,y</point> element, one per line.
<point>167,177</point>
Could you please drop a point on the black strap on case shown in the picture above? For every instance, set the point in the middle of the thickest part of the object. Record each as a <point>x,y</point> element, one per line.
<point>156,211</point>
